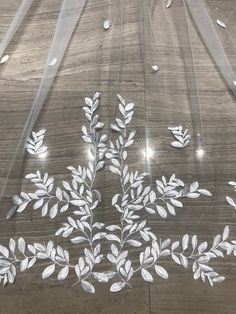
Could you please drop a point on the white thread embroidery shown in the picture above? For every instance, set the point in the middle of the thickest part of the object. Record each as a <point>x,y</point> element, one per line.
<point>133,200</point>
<point>34,145</point>
<point>182,137</point>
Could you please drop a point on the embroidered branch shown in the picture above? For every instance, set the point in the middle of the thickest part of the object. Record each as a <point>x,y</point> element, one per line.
<point>182,137</point>
<point>35,145</point>
<point>133,203</point>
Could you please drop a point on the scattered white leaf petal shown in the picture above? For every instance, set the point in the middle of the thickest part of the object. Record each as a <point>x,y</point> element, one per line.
<point>4,59</point>
<point>220,23</point>
<point>155,68</point>
<point>169,3</point>
<point>54,61</point>
<point>106,24</point>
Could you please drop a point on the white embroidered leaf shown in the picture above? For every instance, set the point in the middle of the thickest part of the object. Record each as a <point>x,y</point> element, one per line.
<point>128,108</point>
<point>231,201</point>
<point>161,272</point>
<point>4,251</point>
<point>78,240</point>
<point>202,247</point>
<point>184,261</point>
<point>31,248</point>
<point>194,242</point>
<point>204,192</point>
<point>24,264</point>
<point>53,211</point>
<point>11,278</point>
<point>48,271</point>
<point>4,59</point>
<point>88,101</point>
<point>220,23</point>
<point>161,211</point>
<point>146,275</point>
<point>12,245</point>
<point>218,279</point>
<point>185,241</point>
<point>117,286</point>
<point>16,200</point>
<point>168,4</point>
<point>115,170</point>
<point>112,237</point>
<point>177,144</point>
<point>106,24</point>
<point>176,259</point>
<point>174,245</point>
<point>216,240</point>
<point>134,243</point>
<point>45,210</point>
<point>152,196</point>
<point>21,245</point>
<point>155,68</point>
<point>114,199</point>
<point>113,227</point>
<point>22,207</point>
<point>87,286</point>
<point>150,210</point>
<point>226,233</point>
<point>121,99</point>
<point>62,275</point>
<point>171,209</point>
<point>38,204</point>
<point>32,262</point>
<point>78,202</point>
<point>176,202</point>
<point>194,186</point>
<point>193,195</point>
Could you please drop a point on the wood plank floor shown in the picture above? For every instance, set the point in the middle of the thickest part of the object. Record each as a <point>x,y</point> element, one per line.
<point>120,61</point>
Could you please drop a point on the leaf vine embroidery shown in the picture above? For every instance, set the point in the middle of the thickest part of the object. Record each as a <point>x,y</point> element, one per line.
<point>80,199</point>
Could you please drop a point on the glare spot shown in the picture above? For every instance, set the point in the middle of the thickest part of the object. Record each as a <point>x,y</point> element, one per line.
<point>200,153</point>
<point>148,153</point>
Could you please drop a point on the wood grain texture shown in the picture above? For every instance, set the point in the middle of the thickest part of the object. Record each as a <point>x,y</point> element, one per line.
<point>120,60</point>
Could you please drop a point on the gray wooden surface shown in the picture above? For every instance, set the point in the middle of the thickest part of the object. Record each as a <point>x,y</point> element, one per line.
<point>120,60</point>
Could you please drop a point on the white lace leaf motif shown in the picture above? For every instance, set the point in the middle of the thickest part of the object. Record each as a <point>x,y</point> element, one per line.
<point>80,200</point>
<point>34,145</point>
<point>182,137</point>
<point>133,198</point>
